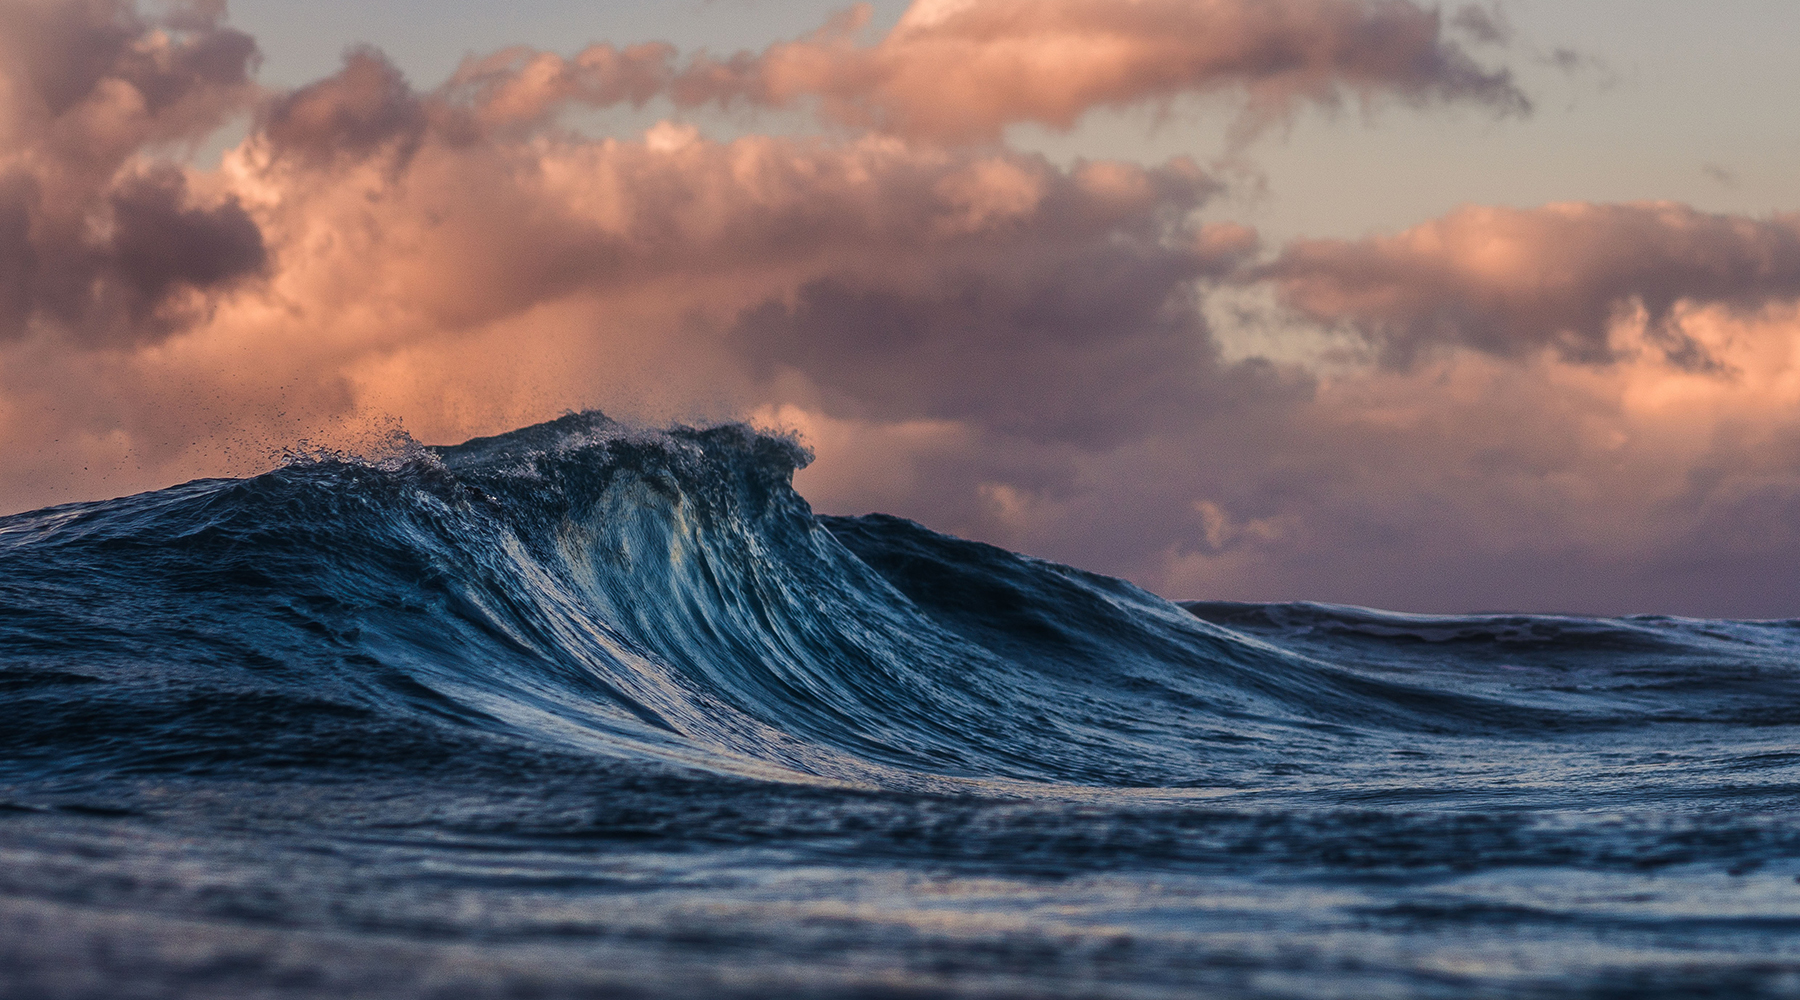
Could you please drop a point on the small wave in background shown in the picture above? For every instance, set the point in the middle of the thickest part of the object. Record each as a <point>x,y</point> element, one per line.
<point>587,710</point>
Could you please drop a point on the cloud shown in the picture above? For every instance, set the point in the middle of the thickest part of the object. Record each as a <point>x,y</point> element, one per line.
<point>366,106</point>
<point>1515,472</point>
<point>963,70</point>
<point>1070,294</point>
<point>1484,25</point>
<point>1562,277</point>
<point>521,87</point>
<point>96,241</point>
<point>98,78</point>
<point>1722,175</point>
<point>145,274</point>
<point>563,216</point>
<point>378,248</point>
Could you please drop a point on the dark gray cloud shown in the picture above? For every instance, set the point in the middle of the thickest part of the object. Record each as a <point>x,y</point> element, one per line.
<point>122,288</point>
<point>18,258</point>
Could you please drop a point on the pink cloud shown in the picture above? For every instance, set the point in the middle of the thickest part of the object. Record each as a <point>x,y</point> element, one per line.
<point>95,241</point>
<point>366,106</point>
<point>521,86</point>
<point>1514,281</point>
<point>962,70</point>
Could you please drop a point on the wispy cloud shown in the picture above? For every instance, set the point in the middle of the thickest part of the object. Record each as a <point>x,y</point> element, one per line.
<point>954,71</point>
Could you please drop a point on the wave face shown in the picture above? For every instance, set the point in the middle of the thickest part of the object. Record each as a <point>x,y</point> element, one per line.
<point>591,709</point>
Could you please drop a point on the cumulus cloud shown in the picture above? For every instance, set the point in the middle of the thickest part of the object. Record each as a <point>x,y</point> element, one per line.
<point>956,71</point>
<point>1514,281</point>
<point>960,70</point>
<point>95,242</point>
<point>391,217</point>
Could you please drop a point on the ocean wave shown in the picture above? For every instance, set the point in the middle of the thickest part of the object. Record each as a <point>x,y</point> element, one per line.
<point>666,595</point>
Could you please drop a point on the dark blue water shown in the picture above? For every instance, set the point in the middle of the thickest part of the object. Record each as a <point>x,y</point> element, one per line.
<point>589,711</point>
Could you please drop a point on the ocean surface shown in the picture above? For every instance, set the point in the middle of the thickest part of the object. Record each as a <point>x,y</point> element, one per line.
<point>586,710</point>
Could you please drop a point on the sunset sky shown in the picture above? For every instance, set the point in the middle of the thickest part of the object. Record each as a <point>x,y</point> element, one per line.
<point>1428,308</point>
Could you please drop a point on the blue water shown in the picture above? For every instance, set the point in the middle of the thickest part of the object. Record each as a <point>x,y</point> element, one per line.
<point>584,710</point>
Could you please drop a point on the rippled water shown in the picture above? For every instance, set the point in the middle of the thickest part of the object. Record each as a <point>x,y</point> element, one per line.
<point>584,710</point>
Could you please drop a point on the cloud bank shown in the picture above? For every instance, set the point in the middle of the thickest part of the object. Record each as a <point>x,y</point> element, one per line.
<point>1584,406</point>
<point>1515,281</point>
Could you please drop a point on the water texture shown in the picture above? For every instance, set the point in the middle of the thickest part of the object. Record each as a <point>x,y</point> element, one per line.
<point>586,710</point>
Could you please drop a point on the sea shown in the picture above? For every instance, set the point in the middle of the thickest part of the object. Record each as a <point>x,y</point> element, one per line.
<point>593,710</point>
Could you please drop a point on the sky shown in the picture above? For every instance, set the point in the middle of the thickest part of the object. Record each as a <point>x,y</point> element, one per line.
<point>1432,308</point>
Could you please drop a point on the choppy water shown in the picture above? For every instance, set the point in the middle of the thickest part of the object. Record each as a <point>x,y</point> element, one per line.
<point>588,711</point>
